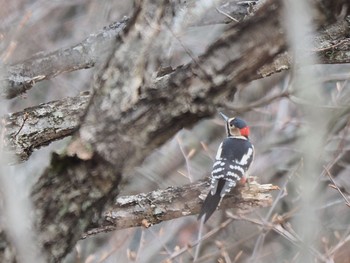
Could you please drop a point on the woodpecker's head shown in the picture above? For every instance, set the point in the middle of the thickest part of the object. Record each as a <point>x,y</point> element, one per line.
<point>235,126</point>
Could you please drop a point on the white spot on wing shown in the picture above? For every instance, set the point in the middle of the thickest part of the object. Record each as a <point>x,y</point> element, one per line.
<point>233,175</point>
<point>218,154</point>
<point>218,162</point>
<point>217,170</point>
<point>231,170</point>
<point>246,157</point>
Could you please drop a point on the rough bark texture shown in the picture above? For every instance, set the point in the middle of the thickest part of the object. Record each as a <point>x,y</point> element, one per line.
<point>148,112</point>
<point>333,48</point>
<point>173,202</point>
<point>132,112</point>
<point>38,126</point>
<point>331,45</point>
<point>73,193</point>
<point>23,76</point>
<point>138,116</point>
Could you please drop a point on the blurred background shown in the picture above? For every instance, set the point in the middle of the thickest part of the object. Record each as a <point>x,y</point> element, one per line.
<point>270,107</point>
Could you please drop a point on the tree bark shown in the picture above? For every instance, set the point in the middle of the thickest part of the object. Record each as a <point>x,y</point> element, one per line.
<point>174,202</point>
<point>142,113</point>
<point>22,76</point>
<point>40,125</point>
<point>132,112</point>
<point>331,46</point>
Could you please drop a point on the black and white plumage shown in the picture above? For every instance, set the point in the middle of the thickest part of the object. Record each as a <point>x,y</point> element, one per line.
<point>233,159</point>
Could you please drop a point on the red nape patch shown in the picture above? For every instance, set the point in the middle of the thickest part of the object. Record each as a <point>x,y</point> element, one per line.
<point>245,131</point>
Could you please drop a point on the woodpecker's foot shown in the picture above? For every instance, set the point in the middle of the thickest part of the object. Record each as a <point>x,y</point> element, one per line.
<point>244,180</point>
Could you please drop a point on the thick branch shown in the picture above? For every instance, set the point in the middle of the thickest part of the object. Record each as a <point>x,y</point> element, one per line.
<point>178,99</point>
<point>174,202</point>
<point>38,126</point>
<point>331,46</point>
<point>126,123</point>
<point>23,76</point>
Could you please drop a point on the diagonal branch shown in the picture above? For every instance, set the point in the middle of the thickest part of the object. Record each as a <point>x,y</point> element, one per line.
<point>38,126</point>
<point>331,46</point>
<point>132,113</point>
<point>23,76</point>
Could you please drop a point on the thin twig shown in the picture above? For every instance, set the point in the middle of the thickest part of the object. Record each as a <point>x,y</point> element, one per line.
<point>161,242</point>
<point>339,245</point>
<point>217,253</point>
<point>259,103</point>
<point>188,167</point>
<point>195,243</point>
<point>280,195</point>
<point>336,187</point>
<point>25,117</point>
<point>278,228</point>
<point>331,46</point>
<point>227,15</point>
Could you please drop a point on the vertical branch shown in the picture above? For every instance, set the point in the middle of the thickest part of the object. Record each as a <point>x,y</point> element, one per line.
<point>308,91</point>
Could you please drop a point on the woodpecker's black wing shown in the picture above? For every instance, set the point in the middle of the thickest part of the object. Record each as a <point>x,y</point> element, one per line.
<point>233,159</point>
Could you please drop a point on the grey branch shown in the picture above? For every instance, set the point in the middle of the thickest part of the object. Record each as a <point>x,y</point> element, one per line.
<point>40,125</point>
<point>161,205</point>
<point>37,126</point>
<point>331,46</point>
<point>132,113</point>
<point>23,76</point>
<point>136,119</point>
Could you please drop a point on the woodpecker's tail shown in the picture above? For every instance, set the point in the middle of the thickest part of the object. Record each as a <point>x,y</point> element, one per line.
<point>211,202</point>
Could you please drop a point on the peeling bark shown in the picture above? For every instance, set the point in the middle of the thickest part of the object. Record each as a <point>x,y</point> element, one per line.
<point>147,114</point>
<point>132,112</point>
<point>125,126</point>
<point>174,202</point>
<point>22,76</point>
<point>40,125</point>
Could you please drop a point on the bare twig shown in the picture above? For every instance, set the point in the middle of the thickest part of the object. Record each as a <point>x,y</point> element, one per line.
<point>256,104</point>
<point>334,185</point>
<point>344,240</point>
<point>195,243</point>
<point>339,43</point>
<point>280,195</point>
<point>227,15</point>
<point>278,228</point>
<point>187,156</point>
<point>25,117</point>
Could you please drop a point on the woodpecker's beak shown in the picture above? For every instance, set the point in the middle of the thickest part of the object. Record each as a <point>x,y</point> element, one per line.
<point>224,116</point>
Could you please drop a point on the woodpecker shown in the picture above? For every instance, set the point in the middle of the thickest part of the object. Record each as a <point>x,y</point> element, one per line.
<point>233,159</point>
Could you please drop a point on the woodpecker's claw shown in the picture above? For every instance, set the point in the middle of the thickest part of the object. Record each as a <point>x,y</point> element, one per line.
<point>244,180</point>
